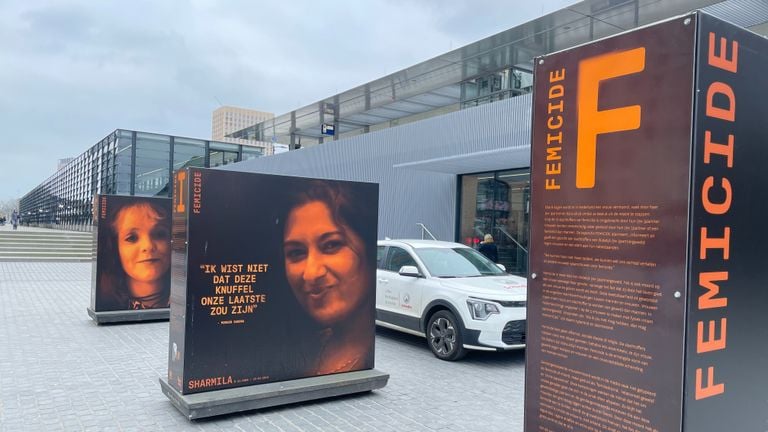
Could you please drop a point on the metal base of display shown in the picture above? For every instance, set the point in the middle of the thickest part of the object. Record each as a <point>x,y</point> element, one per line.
<point>130,315</point>
<point>218,402</point>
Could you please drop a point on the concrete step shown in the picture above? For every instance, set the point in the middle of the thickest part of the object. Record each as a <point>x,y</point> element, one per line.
<point>20,249</point>
<point>56,254</point>
<point>46,259</point>
<point>6,233</point>
<point>45,239</point>
<point>48,245</point>
<point>30,242</point>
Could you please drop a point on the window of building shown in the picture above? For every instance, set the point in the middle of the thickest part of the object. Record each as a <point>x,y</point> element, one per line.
<point>153,154</point>
<point>252,152</point>
<point>496,86</point>
<point>188,153</point>
<point>223,154</point>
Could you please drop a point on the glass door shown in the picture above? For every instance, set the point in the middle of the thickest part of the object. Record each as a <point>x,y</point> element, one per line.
<point>511,225</point>
<point>498,203</point>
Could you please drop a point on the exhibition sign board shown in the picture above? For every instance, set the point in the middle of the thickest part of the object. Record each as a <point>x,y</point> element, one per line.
<point>646,302</point>
<point>132,236</point>
<point>273,279</point>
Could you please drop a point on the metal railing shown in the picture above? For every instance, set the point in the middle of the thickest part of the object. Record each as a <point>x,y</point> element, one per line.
<point>424,229</point>
<point>509,236</point>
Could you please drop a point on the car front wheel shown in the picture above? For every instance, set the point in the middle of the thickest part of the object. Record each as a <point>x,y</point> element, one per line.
<point>444,336</point>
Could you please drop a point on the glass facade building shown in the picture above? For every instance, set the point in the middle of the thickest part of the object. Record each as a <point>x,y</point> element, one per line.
<point>125,163</point>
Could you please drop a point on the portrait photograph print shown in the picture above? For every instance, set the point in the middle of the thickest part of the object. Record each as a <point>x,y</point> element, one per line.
<point>133,253</point>
<point>280,281</point>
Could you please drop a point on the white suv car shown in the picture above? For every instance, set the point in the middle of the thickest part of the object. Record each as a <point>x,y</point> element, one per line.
<point>451,294</point>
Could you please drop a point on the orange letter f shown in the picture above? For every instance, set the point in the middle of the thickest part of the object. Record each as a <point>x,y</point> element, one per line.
<point>593,122</point>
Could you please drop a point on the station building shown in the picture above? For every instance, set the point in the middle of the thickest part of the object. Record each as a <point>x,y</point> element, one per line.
<point>448,139</point>
<point>124,162</point>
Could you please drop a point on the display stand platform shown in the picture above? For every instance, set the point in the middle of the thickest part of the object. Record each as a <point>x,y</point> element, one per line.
<point>218,402</point>
<point>130,315</point>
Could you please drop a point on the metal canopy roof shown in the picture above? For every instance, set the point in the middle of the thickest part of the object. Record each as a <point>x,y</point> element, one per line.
<point>436,83</point>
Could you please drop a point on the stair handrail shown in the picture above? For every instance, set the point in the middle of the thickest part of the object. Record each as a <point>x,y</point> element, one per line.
<point>509,236</point>
<point>425,229</point>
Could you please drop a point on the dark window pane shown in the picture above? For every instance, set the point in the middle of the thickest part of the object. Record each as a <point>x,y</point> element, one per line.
<point>398,258</point>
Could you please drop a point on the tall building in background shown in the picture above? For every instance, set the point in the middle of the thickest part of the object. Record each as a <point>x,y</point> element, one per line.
<point>228,119</point>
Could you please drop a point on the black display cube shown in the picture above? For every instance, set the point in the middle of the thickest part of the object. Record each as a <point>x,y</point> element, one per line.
<point>130,277</point>
<point>273,288</point>
<point>647,300</point>
<point>237,399</point>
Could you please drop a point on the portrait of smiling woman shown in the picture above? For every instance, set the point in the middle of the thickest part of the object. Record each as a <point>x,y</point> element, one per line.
<point>134,254</point>
<point>329,241</point>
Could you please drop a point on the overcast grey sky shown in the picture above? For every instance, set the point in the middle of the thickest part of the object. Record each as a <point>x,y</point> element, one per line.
<point>75,70</point>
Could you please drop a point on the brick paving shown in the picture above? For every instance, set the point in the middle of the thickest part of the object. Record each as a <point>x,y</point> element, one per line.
<point>59,371</point>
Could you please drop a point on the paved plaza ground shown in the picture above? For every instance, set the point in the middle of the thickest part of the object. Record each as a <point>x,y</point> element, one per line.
<point>59,371</point>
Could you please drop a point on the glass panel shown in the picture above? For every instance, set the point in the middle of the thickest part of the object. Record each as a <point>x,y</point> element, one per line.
<point>252,152</point>
<point>398,258</point>
<point>522,80</point>
<point>222,153</point>
<point>216,145</point>
<point>457,262</point>
<point>188,152</point>
<point>498,204</point>
<point>470,89</point>
<point>221,157</point>
<point>511,225</point>
<point>124,138</point>
<point>380,256</point>
<point>475,216</point>
<point>152,159</point>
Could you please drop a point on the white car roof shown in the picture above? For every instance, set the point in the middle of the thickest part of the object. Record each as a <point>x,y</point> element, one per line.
<point>417,243</point>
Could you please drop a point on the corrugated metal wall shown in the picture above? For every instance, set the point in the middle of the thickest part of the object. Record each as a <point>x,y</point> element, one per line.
<point>408,196</point>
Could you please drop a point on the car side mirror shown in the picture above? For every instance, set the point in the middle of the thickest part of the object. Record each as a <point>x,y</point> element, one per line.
<point>501,266</point>
<point>409,271</point>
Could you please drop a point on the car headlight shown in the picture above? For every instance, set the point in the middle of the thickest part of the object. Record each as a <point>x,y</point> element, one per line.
<point>481,310</point>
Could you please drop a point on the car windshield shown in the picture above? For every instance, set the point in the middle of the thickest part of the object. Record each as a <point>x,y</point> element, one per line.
<point>457,262</point>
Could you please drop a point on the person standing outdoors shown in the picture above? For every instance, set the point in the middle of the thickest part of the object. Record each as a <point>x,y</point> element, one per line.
<point>488,248</point>
<point>15,219</point>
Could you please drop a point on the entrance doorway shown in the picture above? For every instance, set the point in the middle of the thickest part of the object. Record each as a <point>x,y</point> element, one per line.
<point>498,203</point>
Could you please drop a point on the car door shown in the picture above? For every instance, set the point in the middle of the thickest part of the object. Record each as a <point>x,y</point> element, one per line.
<point>403,293</point>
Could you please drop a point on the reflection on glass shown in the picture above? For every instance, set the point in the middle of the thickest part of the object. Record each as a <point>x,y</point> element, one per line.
<point>152,159</point>
<point>223,154</point>
<point>498,204</point>
<point>123,163</point>
<point>252,152</point>
<point>188,153</point>
<point>495,86</point>
<point>457,262</point>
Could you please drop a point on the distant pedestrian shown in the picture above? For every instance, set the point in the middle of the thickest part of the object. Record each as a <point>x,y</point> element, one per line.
<point>488,248</point>
<point>15,219</point>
